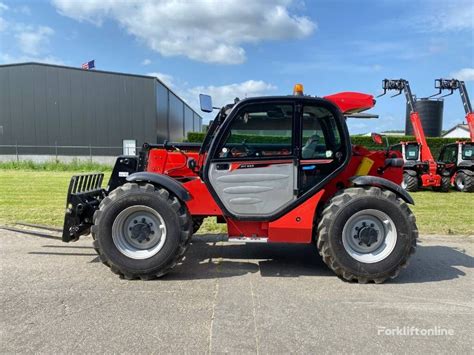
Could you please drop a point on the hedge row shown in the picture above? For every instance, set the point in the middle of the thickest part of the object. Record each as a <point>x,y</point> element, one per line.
<point>435,143</point>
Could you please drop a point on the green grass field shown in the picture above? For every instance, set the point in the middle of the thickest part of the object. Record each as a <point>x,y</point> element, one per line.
<point>38,196</point>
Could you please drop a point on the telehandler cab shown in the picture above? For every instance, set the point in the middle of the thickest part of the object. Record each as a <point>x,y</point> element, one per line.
<point>276,169</point>
<point>459,156</point>
<point>420,168</point>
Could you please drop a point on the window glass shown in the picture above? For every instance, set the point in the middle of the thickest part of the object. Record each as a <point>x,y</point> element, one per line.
<point>449,154</point>
<point>321,139</point>
<point>468,152</point>
<point>263,130</point>
<point>396,148</point>
<point>321,147</point>
<point>412,151</point>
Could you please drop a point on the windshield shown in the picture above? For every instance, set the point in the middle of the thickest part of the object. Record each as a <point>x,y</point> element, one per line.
<point>468,152</point>
<point>412,151</point>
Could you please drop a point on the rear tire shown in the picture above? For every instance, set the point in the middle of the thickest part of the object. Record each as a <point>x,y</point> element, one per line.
<point>445,184</point>
<point>141,231</point>
<point>410,182</point>
<point>464,182</point>
<point>366,234</point>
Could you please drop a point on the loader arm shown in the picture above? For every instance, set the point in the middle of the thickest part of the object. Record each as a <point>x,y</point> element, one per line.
<point>467,108</point>
<point>455,84</point>
<point>403,85</point>
<point>431,177</point>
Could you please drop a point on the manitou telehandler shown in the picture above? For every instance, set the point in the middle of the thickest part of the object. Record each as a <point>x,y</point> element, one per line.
<point>420,169</point>
<point>276,169</point>
<point>459,156</point>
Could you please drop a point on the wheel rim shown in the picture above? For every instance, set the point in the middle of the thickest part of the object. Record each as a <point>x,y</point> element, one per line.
<point>369,236</point>
<point>139,232</point>
<point>459,182</point>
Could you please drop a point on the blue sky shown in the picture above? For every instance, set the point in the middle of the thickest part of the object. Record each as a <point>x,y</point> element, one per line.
<point>245,48</point>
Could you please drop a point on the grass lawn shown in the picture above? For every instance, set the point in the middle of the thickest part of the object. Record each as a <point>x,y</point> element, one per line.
<point>39,197</point>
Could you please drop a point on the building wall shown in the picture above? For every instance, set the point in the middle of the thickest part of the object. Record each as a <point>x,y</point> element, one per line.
<point>458,132</point>
<point>43,105</point>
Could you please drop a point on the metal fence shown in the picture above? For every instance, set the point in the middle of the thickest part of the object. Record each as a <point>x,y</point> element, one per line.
<point>57,151</point>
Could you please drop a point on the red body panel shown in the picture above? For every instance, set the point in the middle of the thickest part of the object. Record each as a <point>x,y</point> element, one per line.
<point>470,123</point>
<point>294,227</point>
<point>352,102</point>
<point>171,163</point>
<point>297,225</point>
<point>202,203</point>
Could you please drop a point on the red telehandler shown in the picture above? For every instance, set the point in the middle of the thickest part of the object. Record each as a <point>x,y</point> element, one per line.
<point>277,169</point>
<point>459,156</point>
<point>420,168</point>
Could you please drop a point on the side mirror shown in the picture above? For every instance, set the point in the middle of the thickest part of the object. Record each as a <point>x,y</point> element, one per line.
<point>206,103</point>
<point>377,138</point>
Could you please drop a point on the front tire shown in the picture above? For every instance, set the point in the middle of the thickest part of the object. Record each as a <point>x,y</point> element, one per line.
<point>366,234</point>
<point>445,184</point>
<point>141,231</point>
<point>464,182</point>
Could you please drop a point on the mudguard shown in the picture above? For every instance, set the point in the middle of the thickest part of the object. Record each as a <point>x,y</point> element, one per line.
<point>384,183</point>
<point>410,172</point>
<point>467,172</point>
<point>163,180</point>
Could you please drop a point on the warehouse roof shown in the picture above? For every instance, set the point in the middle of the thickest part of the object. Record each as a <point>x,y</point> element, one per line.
<point>103,72</point>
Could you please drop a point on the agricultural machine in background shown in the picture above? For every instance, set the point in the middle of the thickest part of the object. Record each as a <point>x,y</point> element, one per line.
<point>276,169</point>
<point>420,168</point>
<point>459,156</point>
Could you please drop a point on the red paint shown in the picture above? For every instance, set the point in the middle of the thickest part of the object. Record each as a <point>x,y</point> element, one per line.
<point>297,225</point>
<point>432,178</point>
<point>470,123</point>
<point>172,163</point>
<point>247,228</point>
<point>352,102</point>
<point>202,203</point>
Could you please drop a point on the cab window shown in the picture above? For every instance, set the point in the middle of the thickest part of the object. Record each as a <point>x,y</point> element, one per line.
<point>321,149</point>
<point>468,152</point>
<point>449,154</point>
<point>260,130</point>
<point>412,152</point>
<point>320,138</point>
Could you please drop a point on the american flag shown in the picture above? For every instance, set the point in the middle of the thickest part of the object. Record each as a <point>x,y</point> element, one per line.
<point>89,65</point>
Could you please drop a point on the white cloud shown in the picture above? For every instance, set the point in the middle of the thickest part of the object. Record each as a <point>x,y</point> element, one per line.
<point>165,78</point>
<point>225,94</point>
<point>28,43</point>
<point>206,31</point>
<point>49,59</point>
<point>146,61</point>
<point>444,16</point>
<point>466,74</point>
<point>32,40</point>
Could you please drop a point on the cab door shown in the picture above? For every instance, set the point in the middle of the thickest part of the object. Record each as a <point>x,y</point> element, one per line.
<point>324,148</point>
<point>252,170</point>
